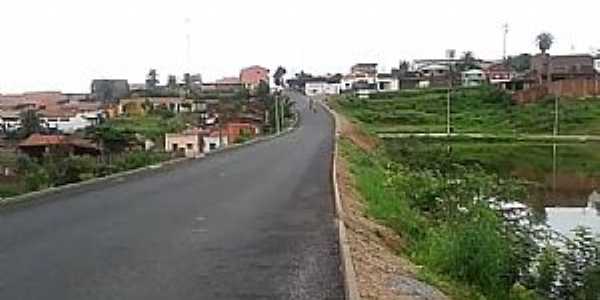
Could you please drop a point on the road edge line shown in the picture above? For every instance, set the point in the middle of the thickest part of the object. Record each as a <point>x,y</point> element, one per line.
<point>350,281</point>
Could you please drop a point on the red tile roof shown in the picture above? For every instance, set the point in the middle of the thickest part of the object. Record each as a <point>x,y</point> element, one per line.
<point>37,139</point>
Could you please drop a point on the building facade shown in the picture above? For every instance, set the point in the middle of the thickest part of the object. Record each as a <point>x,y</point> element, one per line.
<point>252,76</point>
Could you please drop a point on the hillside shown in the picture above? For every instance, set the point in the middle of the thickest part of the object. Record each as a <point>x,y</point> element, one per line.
<point>474,110</point>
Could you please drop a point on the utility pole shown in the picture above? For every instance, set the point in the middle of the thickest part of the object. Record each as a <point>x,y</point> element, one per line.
<point>505,27</point>
<point>277,128</point>
<point>556,115</point>
<point>450,83</point>
<point>282,113</point>
<point>448,120</point>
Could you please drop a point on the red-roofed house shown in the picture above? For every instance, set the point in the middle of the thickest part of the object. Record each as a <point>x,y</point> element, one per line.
<point>251,77</point>
<point>37,145</point>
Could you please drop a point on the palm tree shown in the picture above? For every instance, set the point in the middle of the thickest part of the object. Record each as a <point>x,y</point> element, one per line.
<point>544,41</point>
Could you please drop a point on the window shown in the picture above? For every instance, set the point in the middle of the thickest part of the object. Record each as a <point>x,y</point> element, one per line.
<point>190,146</point>
<point>212,146</point>
<point>175,146</point>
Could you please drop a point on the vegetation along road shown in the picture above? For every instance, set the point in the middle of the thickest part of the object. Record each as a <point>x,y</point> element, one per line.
<point>254,223</point>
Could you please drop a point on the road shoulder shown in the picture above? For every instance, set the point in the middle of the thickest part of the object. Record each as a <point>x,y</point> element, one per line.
<point>376,271</point>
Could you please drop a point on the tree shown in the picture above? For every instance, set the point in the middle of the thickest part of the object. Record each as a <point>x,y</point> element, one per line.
<point>172,82</point>
<point>468,61</point>
<point>30,123</point>
<point>521,62</point>
<point>404,66</point>
<point>152,80</point>
<point>544,41</point>
<point>242,94</point>
<point>279,75</point>
<point>263,90</point>
<point>112,140</point>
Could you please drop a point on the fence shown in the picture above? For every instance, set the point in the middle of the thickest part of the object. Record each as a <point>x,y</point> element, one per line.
<point>574,88</point>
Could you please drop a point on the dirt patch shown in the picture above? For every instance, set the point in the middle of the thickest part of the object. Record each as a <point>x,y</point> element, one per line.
<point>381,274</point>
<point>356,135</point>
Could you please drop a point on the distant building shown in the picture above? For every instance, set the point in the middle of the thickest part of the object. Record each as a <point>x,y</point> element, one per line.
<point>321,87</point>
<point>214,140</point>
<point>500,75</point>
<point>387,83</point>
<point>560,67</point>
<point>364,68</point>
<point>69,121</point>
<point>188,144</point>
<point>38,145</point>
<point>252,76</point>
<point>139,106</point>
<point>110,90</point>
<point>10,121</point>
<point>473,78</point>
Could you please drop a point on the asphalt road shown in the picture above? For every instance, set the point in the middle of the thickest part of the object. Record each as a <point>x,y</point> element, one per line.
<point>254,223</point>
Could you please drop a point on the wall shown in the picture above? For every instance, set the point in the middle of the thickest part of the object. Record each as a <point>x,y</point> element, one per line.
<point>564,88</point>
<point>190,144</point>
<point>214,140</point>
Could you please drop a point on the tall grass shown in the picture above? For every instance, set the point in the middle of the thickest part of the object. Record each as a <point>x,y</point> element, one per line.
<point>447,211</point>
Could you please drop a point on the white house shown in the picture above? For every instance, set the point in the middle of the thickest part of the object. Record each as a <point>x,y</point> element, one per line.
<point>69,123</point>
<point>214,141</point>
<point>434,70</point>
<point>10,121</point>
<point>473,77</point>
<point>321,88</point>
<point>188,144</point>
<point>387,83</point>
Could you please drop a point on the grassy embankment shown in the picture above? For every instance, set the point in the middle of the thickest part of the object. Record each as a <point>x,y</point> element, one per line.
<point>474,110</point>
<point>440,206</point>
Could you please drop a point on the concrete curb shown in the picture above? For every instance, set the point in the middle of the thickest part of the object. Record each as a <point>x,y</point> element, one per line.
<point>36,196</point>
<point>33,196</point>
<point>350,281</point>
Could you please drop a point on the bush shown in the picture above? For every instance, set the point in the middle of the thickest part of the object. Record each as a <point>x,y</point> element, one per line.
<point>135,160</point>
<point>9,191</point>
<point>37,179</point>
<point>472,251</point>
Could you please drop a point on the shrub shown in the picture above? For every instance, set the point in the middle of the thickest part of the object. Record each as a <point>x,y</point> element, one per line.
<point>37,179</point>
<point>472,251</point>
<point>9,191</point>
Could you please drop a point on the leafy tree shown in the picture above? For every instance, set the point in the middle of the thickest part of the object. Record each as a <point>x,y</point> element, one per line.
<point>112,140</point>
<point>263,90</point>
<point>544,41</point>
<point>30,123</point>
<point>278,76</point>
<point>172,82</point>
<point>152,80</point>
<point>520,62</point>
<point>242,94</point>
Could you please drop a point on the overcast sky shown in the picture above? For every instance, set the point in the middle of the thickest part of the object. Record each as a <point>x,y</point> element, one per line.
<point>64,44</point>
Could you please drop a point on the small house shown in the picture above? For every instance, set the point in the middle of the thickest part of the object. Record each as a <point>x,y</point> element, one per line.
<point>473,78</point>
<point>38,145</point>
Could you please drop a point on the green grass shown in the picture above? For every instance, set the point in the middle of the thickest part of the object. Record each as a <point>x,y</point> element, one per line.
<point>388,194</point>
<point>150,126</point>
<point>474,110</point>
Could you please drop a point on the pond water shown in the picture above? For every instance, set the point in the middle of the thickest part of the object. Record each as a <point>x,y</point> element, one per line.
<point>563,179</point>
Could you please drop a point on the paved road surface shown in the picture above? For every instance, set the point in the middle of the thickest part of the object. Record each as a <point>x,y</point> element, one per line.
<point>256,223</point>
